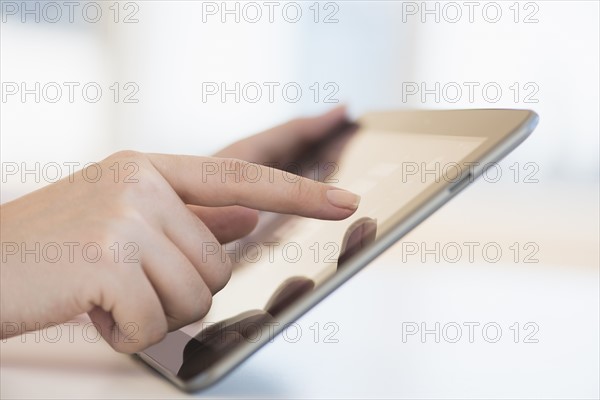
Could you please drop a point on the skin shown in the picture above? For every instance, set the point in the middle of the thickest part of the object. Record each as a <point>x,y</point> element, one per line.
<point>160,236</point>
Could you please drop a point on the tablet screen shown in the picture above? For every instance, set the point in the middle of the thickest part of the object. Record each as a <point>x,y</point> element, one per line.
<point>287,257</point>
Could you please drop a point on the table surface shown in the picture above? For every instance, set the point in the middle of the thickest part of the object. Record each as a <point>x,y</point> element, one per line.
<point>558,296</point>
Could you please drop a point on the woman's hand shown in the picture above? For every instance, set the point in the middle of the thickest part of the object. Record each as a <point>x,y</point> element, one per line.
<point>280,145</point>
<point>132,250</point>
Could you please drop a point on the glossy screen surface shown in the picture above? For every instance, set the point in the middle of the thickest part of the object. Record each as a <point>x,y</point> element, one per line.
<point>286,257</point>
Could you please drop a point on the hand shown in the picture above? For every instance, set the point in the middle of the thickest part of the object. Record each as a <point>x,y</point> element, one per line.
<point>135,254</point>
<point>282,144</point>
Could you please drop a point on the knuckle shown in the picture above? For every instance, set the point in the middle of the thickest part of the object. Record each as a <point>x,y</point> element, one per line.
<point>232,173</point>
<point>299,189</point>
<point>120,227</point>
<point>130,173</point>
<point>218,270</point>
<point>127,155</point>
<point>203,306</point>
<point>200,303</point>
<point>234,166</point>
<point>150,185</point>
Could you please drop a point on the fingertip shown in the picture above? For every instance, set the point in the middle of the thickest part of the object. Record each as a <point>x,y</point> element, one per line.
<point>337,114</point>
<point>343,199</point>
<point>336,205</point>
<point>323,124</point>
<point>340,110</point>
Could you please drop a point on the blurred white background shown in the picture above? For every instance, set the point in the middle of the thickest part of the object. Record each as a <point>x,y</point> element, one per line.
<point>543,55</point>
<point>370,57</point>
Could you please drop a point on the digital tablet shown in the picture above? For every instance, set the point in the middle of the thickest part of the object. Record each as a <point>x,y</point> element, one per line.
<point>404,164</point>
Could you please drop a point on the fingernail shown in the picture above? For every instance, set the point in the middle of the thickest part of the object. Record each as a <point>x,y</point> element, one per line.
<point>343,199</point>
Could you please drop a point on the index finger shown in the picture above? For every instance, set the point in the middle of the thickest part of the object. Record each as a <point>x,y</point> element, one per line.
<point>218,182</point>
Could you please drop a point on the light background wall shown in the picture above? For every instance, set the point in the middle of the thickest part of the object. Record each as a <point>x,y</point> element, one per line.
<point>372,52</point>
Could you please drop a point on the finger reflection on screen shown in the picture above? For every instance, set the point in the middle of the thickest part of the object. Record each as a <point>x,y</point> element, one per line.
<point>213,342</point>
<point>360,234</point>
